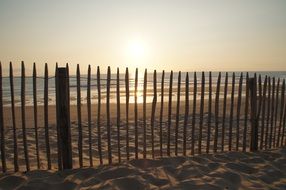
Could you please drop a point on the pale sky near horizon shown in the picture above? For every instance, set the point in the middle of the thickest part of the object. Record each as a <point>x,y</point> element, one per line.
<point>245,35</point>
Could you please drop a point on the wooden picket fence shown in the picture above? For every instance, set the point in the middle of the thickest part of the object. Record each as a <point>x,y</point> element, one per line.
<point>257,106</point>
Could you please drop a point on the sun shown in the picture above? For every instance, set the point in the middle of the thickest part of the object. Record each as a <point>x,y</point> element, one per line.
<point>136,49</point>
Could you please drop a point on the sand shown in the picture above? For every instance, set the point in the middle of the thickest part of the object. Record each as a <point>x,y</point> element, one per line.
<point>30,133</point>
<point>232,170</point>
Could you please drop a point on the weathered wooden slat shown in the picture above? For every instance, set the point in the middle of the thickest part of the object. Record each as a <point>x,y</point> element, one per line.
<point>238,111</point>
<point>260,97</point>
<point>209,113</point>
<point>108,125</point>
<point>46,116</point>
<point>201,112</point>
<point>253,114</point>
<point>217,111</point>
<point>59,140</point>
<point>170,113</point>
<point>23,110</point>
<point>281,112</point>
<point>224,111</point>
<point>276,112</point>
<point>177,113</point>
<point>36,113</point>
<point>2,133</point>
<point>154,102</point>
<point>284,126</point>
<point>15,139</point>
<point>79,124</point>
<point>63,118</point>
<point>136,113</point>
<point>263,107</point>
<point>194,113</point>
<point>268,113</point>
<point>186,119</point>
<point>118,114</point>
<point>161,112</point>
<point>127,111</point>
<point>88,102</point>
<point>231,112</point>
<point>144,113</point>
<point>272,113</point>
<point>246,110</point>
<point>68,93</point>
<point>98,115</point>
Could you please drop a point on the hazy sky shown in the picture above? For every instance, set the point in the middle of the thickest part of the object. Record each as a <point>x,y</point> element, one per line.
<point>242,35</point>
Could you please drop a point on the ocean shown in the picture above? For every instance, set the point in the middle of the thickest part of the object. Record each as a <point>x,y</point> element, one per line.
<point>73,93</point>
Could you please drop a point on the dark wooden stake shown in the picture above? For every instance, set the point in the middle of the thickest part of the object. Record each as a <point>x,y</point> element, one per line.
<point>63,116</point>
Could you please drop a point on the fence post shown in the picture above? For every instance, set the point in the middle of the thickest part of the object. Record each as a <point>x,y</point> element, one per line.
<point>254,122</point>
<point>63,117</point>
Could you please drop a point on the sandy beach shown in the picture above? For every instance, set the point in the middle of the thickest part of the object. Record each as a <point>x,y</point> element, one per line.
<point>232,170</point>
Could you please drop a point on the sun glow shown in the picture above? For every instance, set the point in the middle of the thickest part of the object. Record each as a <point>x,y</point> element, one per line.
<point>137,49</point>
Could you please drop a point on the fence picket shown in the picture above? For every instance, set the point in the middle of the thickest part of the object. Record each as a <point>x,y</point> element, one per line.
<point>170,113</point>
<point>177,113</point>
<point>281,112</point>
<point>209,113</point>
<point>268,113</point>
<point>154,102</point>
<point>46,116</point>
<point>217,111</point>
<point>99,115</point>
<point>136,113</point>
<point>23,110</point>
<point>127,111</point>
<point>161,112</point>
<point>79,116</point>
<point>59,143</point>
<point>36,113</point>
<point>201,112</point>
<point>224,111</point>
<point>108,125</point>
<point>246,110</point>
<point>231,112</point>
<point>238,111</point>
<point>194,113</point>
<point>2,134</point>
<point>186,119</point>
<point>272,113</point>
<point>263,113</point>
<point>144,113</point>
<point>276,111</point>
<point>118,114</point>
<point>15,139</point>
<point>88,99</point>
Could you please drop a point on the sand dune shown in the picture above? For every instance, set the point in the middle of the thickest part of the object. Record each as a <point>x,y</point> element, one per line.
<point>232,170</point>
